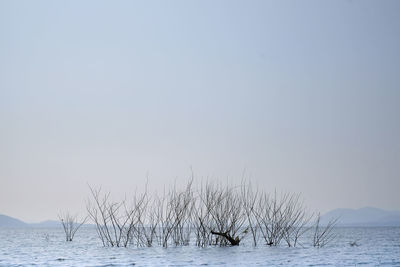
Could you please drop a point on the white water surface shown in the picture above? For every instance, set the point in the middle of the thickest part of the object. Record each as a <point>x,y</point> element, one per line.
<point>47,247</point>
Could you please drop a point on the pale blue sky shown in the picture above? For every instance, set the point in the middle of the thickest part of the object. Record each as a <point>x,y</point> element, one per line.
<point>304,95</point>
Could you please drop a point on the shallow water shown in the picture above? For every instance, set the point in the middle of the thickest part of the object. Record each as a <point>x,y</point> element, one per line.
<point>46,247</point>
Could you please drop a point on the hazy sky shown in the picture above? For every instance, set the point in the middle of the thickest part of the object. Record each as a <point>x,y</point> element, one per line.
<point>302,95</point>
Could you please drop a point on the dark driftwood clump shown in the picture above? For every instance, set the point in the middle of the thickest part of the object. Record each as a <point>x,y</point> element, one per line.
<point>233,241</point>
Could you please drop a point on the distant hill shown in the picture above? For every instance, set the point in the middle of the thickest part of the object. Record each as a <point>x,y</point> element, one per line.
<point>10,222</point>
<point>363,217</point>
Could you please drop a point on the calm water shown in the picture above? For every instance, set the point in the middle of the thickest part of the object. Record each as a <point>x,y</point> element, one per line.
<point>46,247</point>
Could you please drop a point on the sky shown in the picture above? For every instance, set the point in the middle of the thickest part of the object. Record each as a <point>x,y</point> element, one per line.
<point>296,96</point>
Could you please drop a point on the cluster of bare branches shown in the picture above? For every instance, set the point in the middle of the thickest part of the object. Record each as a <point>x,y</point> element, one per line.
<point>214,215</point>
<point>70,224</point>
<point>175,216</point>
<point>165,220</point>
<point>279,219</point>
<point>219,216</point>
<point>323,235</point>
<point>114,220</point>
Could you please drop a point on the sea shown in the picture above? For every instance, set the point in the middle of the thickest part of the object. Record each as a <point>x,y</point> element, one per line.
<point>363,246</point>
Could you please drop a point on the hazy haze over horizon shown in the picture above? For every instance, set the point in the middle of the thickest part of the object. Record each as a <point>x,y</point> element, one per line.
<point>301,96</point>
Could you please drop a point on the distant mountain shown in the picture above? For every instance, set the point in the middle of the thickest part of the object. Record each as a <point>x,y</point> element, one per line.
<point>363,217</point>
<point>10,222</point>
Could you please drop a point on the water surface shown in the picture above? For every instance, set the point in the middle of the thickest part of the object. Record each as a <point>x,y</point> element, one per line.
<point>47,247</point>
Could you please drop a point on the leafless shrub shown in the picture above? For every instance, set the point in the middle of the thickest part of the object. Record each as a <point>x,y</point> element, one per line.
<point>174,213</point>
<point>137,232</point>
<point>148,220</point>
<point>114,221</point>
<point>280,218</point>
<point>323,235</point>
<point>182,204</point>
<point>250,197</point>
<point>226,214</point>
<point>270,218</point>
<point>70,224</point>
<point>202,218</point>
<point>295,220</point>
